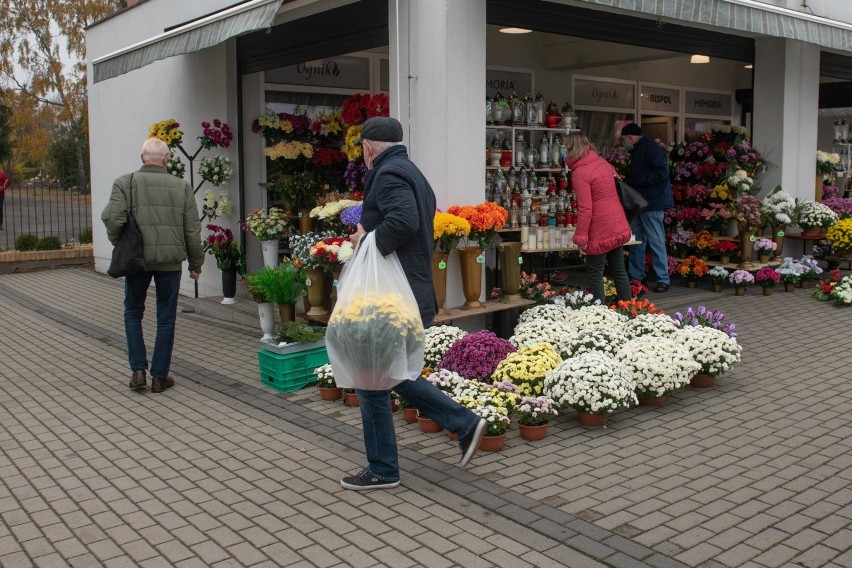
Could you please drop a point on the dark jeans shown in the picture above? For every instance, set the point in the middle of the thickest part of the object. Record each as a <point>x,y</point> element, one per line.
<point>377,418</point>
<point>2,199</point>
<point>595,272</point>
<point>135,292</point>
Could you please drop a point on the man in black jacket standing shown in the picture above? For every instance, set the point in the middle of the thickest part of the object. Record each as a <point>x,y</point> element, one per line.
<point>649,175</point>
<point>399,205</point>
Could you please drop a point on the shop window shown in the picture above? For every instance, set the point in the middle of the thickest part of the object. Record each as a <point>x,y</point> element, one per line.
<point>663,128</point>
<point>695,128</point>
<point>603,128</point>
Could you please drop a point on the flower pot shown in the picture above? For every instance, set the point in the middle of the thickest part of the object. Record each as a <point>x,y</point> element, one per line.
<point>652,401</point>
<point>717,287</point>
<point>592,419</point>
<point>492,443</point>
<point>767,290</point>
<point>725,259</point>
<point>351,399</point>
<point>316,291</point>
<point>286,312</point>
<point>532,433</point>
<point>409,415</point>
<point>762,258</point>
<point>229,285</point>
<point>813,233</point>
<point>306,222</point>
<point>270,253</point>
<point>778,238</point>
<point>704,257</point>
<point>740,290</point>
<point>691,284</point>
<point>789,286</point>
<point>510,271</point>
<point>331,393</point>
<point>428,425</point>
<point>746,248</point>
<point>702,381</point>
<point>439,279</point>
<point>805,283</point>
<point>453,436</point>
<point>267,320</point>
<point>471,272</point>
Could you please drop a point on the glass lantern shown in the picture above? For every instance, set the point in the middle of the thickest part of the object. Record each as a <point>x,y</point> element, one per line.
<point>838,132</point>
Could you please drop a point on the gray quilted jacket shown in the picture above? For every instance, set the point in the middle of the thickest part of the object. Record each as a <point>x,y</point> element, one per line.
<point>165,209</point>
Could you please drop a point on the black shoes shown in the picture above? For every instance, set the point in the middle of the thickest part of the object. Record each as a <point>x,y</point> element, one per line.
<point>159,385</point>
<point>662,287</point>
<point>365,480</point>
<point>137,381</point>
<point>470,443</point>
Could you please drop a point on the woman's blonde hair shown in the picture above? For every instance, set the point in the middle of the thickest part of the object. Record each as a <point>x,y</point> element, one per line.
<point>577,146</point>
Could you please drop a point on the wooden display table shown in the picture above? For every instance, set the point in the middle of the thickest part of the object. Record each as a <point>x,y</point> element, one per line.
<point>799,237</point>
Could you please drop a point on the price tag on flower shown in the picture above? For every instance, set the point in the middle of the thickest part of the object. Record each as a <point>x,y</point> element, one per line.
<point>442,265</point>
<point>780,233</point>
<point>752,238</point>
<point>520,260</point>
<point>307,281</point>
<point>480,259</point>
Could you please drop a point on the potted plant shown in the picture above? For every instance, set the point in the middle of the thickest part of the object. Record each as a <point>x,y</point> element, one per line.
<point>840,237</point>
<point>439,338</point>
<point>300,190</point>
<point>702,317</point>
<point>350,397</point>
<point>726,249</point>
<point>713,351</point>
<point>297,336</point>
<point>658,366</point>
<point>485,220</point>
<point>777,210</point>
<point>409,413</point>
<point>635,307</point>
<point>767,277</point>
<point>268,227</point>
<point>823,291</point>
<point>691,270</point>
<point>328,389</point>
<point>282,285</point>
<point>765,249</point>
<point>229,259</point>
<point>526,367</point>
<point>703,243</point>
<point>605,340</point>
<point>813,218</point>
<point>718,275</point>
<point>812,270</point>
<point>657,325</point>
<point>741,279</point>
<point>594,384</point>
<point>264,308</point>
<point>841,293</point>
<point>746,211</point>
<point>680,242</point>
<point>534,413</point>
<point>497,419</point>
<point>476,355</point>
<point>791,272</point>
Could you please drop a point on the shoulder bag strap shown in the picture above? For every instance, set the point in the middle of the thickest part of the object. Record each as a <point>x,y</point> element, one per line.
<point>130,203</point>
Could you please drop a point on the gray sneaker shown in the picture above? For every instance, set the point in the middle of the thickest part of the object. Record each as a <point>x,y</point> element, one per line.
<point>365,480</point>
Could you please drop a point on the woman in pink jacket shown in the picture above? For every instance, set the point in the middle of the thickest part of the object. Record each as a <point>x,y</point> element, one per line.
<point>602,228</point>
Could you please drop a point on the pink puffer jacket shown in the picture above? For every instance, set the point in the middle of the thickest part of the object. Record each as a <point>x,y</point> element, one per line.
<point>601,224</point>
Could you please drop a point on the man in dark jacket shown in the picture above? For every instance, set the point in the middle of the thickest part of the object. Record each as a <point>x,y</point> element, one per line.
<point>649,175</point>
<point>165,209</point>
<point>399,205</point>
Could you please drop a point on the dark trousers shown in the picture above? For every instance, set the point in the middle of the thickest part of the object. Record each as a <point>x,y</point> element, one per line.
<point>135,293</point>
<point>595,271</point>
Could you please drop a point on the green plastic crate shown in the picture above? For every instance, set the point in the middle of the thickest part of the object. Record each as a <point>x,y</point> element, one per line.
<point>291,371</point>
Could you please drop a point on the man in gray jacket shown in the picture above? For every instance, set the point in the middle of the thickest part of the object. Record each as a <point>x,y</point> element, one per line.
<point>164,207</point>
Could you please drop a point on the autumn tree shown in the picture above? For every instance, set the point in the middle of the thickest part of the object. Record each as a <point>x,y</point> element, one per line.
<point>43,58</point>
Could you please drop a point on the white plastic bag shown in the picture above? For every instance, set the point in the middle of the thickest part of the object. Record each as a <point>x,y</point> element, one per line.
<point>375,336</point>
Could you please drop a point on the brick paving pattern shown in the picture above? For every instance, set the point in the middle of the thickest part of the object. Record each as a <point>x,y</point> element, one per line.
<point>221,471</point>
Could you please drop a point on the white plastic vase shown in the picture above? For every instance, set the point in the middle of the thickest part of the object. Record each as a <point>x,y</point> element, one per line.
<point>267,320</point>
<point>270,253</point>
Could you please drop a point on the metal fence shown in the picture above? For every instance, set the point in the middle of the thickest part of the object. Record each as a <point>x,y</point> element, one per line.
<point>44,209</point>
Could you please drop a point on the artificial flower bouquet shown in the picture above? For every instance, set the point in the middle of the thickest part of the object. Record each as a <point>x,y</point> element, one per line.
<point>526,367</point>
<point>221,244</point>
<point>777,208</point>
<point>790,270</point>
<point>531,288</point>
<point>680,240</point>
<point>702,317</point>
<point>439,338</point>
<point>351,216</point>
<point>168,131</point>
<point>842,206</point>
<point>329,212</point>
<point>764,246</point>
<point>325,376</point>
<point>767,277</point>
<point>713,350</point>
<point>175,165</point>
<point>827,163</point>
<point>822,291</point>
<point>216,170</point>
<point>267,226</point>
<point>692,269</point>
<point>592,382</point>
<point>476,355</point>
<point>812,267</point>
<point>657,365</point>
<point>810,215</point>
<point>605,340</point>
<point>840,236</point>
<point>215,206</point>
<point>217,134</point>
<point>746,211</point>
<point>638,289</point>
<point>655,325</point>
<point>485,220</point>
<point>300,246</point>
<point>634,308</point>
<point>716,217</point>
<point>542,330</point>
<point>703,243</point>
<point>739,182</point>
<point>331,253</point>
<point>741,278</point>
<point>718,274</point>
<point>449,229</point>
<point>536,411</point>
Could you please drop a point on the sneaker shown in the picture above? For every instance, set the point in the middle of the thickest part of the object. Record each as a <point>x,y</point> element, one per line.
<point>365,480</point>
<point>159,385</point>
<point>662,287</point>
<point>470,443</point>
<point>137,381</point>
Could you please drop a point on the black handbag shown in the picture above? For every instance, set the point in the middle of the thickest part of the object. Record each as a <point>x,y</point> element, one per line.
<point>631,200</point>
<point>128,256</point>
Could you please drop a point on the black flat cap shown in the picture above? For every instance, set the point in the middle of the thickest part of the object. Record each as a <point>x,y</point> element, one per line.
<point>381,129</point>
<point>631,129</point>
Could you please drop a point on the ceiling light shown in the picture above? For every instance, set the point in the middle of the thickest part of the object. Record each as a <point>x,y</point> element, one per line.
<point>699,59</point>
<point>514,31</point>
<point>749,66</point>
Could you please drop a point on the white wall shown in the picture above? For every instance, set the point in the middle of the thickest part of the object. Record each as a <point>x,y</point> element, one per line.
<point>840,10</point>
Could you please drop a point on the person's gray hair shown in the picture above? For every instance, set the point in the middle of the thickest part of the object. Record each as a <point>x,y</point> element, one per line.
<point>379,146</point>
<point>154,150</point>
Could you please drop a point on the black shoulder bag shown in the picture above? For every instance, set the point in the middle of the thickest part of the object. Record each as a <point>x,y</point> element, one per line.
<point>128,256</point>
<point>631,200</point>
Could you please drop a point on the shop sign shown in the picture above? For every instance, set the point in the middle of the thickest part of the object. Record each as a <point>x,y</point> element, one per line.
<point>604,95</point>
<point>659,99</point>
<point>710,104</point>
<point>339,72</point>
<point>507,82</point>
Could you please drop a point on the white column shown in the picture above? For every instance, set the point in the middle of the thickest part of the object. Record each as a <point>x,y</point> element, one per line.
<point>786,103</point>
<point>437,76</point>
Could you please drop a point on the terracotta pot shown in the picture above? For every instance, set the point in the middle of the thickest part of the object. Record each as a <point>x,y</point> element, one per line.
<point>286,312</point>
<point>316,291</point>
<point>439,279</point>
<point>351,399</point>
<point>717,287</point>
<point>805,283</point>
<point>428,425</point>
<point>492,443</point>
<point>510,271</point>
<point>789,286</point>
<point>409,415</point>
<point>767,290</point>
<point>453,436</point>
<point>691,284</point>
<point>331,393</point>
<point>702,381</point>
<point>725,259</point>
<point>592,419</point>
<point>471,272</point>
<point>532,433</point>
<point>740,290</point>
<point>652,401</point>
<point>813,233</point>
<point>306,222</point>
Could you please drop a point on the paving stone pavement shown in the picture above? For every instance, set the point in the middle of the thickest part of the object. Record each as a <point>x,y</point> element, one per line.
<point>221,471</point>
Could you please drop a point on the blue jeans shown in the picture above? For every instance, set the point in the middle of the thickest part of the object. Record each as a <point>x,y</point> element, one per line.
<point>377,418</point>
<point>648,228</point>
<point>135,292</point>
